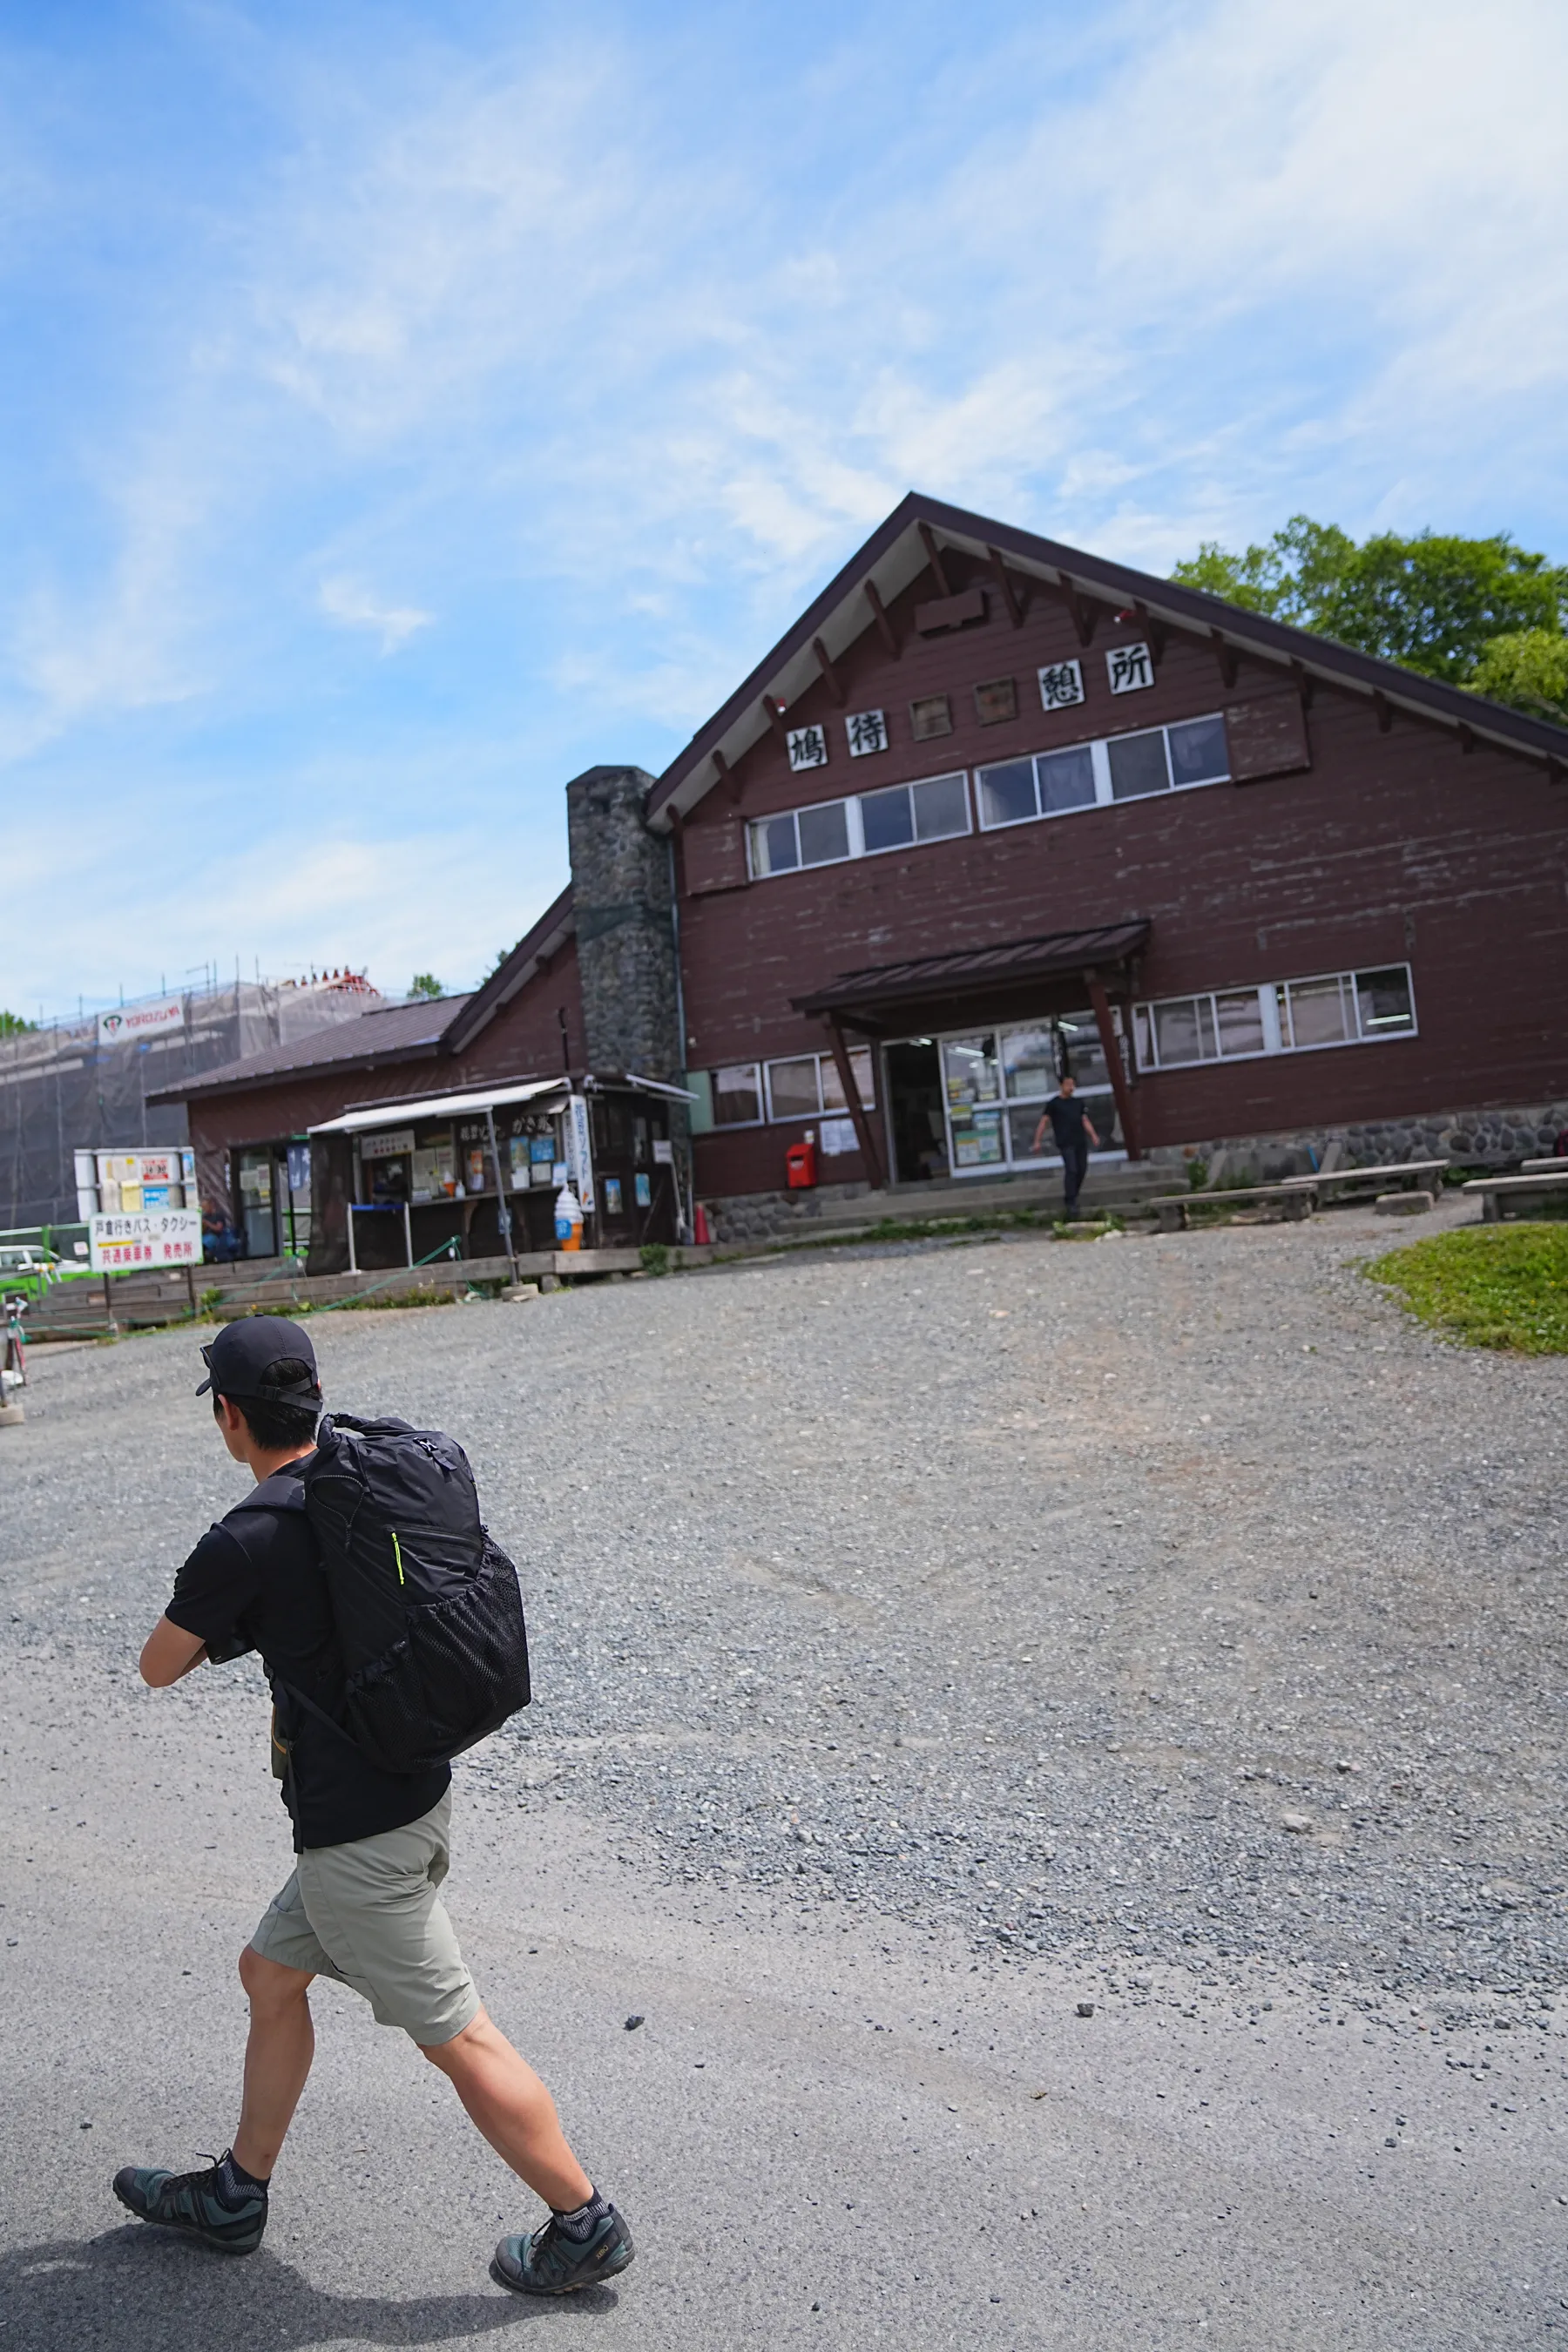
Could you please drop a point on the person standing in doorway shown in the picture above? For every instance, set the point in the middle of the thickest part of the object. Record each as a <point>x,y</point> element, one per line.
<point>1073,1128</point>
<point>363,1904</point>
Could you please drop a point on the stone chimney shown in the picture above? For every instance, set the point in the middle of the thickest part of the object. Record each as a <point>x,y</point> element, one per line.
<point>625,928</point>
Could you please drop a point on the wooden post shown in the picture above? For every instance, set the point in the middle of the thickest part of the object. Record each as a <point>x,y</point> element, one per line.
<point>863,1136</point>
<point>1111,1046</point>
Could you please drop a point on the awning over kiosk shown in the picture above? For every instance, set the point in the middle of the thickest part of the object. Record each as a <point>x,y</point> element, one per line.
<point>407,1107</point>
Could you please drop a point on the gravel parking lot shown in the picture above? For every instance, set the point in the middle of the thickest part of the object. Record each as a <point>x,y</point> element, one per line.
<point>1167,1616</point>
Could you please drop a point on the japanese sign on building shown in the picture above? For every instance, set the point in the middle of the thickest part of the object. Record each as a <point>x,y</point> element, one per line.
<point>1061,684</point>
<point>392,1145</point>
<point>808,747</point>
<point>1129,668</point>
<point>578,1151</point>
<point>147,1238</point>
<point>141,1021</point>
<point>868,731</point>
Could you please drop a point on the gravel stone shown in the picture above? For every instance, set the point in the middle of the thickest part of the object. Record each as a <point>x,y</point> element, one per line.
<point>1038,1624</point>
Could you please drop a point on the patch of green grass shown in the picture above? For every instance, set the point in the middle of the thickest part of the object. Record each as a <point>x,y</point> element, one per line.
<point>1490,1287</point>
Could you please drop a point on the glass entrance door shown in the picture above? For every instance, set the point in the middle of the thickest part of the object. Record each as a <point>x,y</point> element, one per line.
<point>975,1101</point>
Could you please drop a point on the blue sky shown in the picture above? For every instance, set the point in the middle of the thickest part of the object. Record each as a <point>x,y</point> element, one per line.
<point>406,407</point>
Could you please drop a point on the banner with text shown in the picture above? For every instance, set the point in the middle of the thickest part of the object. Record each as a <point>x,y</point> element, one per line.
<point>154,1237</point>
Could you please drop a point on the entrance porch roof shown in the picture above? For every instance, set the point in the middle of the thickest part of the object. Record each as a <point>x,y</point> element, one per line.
<point>873,998</point>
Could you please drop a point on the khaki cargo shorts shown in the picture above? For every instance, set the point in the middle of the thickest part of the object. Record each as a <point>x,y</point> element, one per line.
<point>370,1915</point>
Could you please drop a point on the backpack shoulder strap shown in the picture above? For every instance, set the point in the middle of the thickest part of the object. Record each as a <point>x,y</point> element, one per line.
<point>283,1491</point>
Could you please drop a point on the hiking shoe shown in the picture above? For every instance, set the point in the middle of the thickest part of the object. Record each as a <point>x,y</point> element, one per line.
<point>193,2203</point>
<point>551,2263</point>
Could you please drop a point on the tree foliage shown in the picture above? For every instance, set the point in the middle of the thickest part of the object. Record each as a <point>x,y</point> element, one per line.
<point>12,1026</point>
<point>424,983</point>
<point>1433,604</point>
<point>1529,670</point>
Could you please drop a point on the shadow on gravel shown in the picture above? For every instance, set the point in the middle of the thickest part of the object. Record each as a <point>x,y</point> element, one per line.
<point>130,2290</point>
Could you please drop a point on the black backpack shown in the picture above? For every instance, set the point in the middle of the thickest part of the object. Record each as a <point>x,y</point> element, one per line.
<point>425,1603</point>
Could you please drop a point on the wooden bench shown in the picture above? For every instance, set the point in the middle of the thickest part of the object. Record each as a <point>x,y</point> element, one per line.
<point>1501,1196</point>
<point>1422,1175</point>
<point>1553,1167</point>
<point>1294,1198</point>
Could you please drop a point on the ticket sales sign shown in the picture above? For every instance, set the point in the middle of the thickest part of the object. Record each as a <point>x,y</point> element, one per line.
<point>149,1238</point>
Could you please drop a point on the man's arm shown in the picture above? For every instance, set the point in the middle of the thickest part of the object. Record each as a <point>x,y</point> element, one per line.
<point>170,1651</point>
<point>1089,1128</point>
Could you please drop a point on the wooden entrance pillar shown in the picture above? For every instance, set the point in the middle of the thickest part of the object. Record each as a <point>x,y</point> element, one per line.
<point>863,1135</point>
<point>1111,1046</point>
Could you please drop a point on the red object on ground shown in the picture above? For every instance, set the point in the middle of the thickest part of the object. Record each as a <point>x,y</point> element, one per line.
<point>700,1232</point>
<point>801,1161</point>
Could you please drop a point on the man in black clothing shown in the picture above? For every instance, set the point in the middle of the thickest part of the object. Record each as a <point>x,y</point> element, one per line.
<point>364,1902</point>
<point>1073,1128</point>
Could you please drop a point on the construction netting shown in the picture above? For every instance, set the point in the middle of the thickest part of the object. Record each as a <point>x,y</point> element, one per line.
<point>73,1085</point>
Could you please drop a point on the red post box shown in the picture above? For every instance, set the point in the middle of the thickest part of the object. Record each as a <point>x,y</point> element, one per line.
<point>801,1161</point>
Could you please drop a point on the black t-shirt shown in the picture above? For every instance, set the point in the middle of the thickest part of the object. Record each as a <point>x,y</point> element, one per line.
<point>255,1582</point>
<point>1065,1114</point>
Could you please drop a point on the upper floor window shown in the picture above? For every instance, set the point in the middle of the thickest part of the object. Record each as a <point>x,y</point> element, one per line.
<point>1089,775</point>
<point>897,817</point>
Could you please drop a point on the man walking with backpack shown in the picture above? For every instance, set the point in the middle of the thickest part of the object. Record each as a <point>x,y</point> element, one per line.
<point>363,1904</point>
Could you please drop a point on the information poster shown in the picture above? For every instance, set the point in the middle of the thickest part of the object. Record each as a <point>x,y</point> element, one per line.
<point>148,1238</point>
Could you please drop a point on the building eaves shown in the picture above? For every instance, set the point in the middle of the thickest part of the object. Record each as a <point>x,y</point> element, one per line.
<point>897,551</point>
<point>533,953</point>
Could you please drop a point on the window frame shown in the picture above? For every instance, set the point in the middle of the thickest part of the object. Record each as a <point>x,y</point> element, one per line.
<point>1098,750</point>
<point>774,1117</point>
<point>855,827</point>
<point>1269,993</point>
<point>735,1125</point>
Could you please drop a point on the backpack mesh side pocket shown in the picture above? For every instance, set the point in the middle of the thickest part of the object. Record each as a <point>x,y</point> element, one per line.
<point>460,1671</point>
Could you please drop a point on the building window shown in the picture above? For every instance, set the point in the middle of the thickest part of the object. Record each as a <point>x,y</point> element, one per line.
<point>806,1084</point>
<point>799,1087</point>
<point>1287,1016</point>
<point>897,818</point>
<point>1089,775</point>
<point>738,1095</point>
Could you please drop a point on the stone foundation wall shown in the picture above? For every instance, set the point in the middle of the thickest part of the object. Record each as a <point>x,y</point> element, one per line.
<point>1470,1138</point>
<point>1476,1138</point>
<point>775,1216</point>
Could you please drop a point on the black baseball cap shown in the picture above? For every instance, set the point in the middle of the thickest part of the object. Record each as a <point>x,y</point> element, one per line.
<point>242,1351</point>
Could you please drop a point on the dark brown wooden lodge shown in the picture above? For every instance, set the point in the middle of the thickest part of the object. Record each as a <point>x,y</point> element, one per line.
<point>994,808</point>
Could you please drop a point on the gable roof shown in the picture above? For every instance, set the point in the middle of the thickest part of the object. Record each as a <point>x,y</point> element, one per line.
<point>396,1032</point>
<point>532,953</point>
<point>899,550</point>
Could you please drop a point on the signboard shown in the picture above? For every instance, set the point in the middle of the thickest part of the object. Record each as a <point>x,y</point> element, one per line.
<point>390,1146</point>
<point>149,1237</point>
<point>141,1021</point>
<point>124,1183</point>
<point>579,1152</point>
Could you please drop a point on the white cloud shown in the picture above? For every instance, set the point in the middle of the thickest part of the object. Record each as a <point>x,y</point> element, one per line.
<point>351,603</point>
<point>615,345</point>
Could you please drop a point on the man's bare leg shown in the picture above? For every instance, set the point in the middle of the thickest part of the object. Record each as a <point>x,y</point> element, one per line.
<point>512,2107</point>
<point>277,2059</point>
